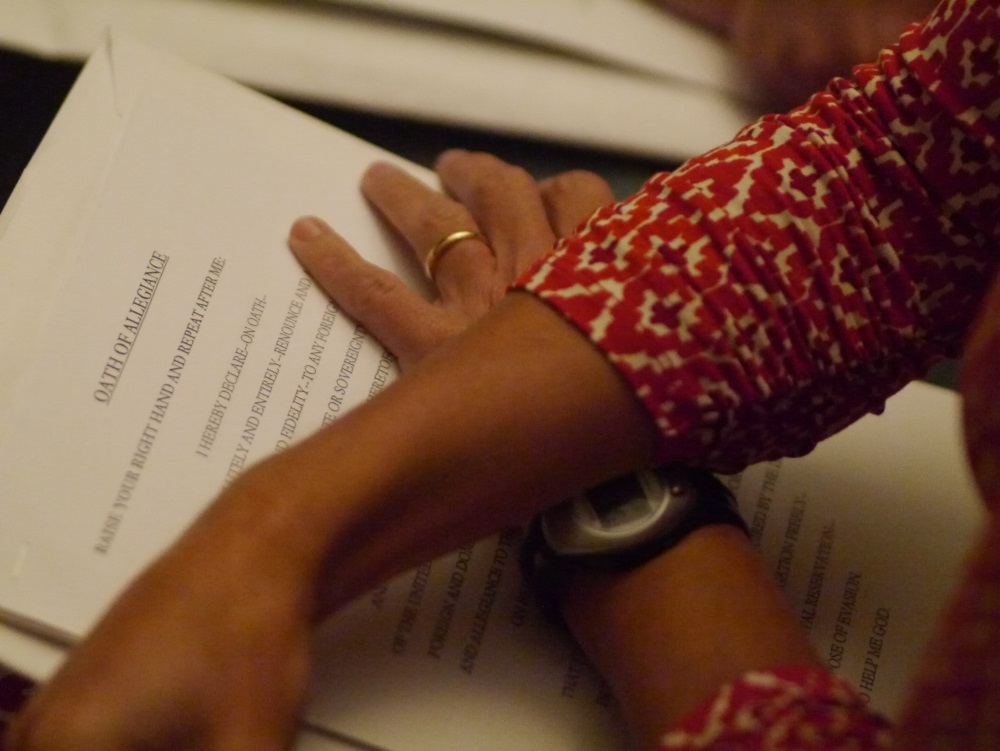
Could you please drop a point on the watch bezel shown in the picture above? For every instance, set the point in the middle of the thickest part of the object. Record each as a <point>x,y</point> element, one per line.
<point>577,527</point>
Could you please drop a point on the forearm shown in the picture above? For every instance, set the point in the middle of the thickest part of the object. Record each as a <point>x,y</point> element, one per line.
<point>503,421</point>
<point>669,634</point>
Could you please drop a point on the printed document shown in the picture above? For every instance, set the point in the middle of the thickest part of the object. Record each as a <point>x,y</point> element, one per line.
<point>157,337</point>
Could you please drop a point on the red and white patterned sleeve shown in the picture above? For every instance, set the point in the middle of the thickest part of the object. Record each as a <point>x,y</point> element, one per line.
<point>790,708</point>
<point>770,292</point>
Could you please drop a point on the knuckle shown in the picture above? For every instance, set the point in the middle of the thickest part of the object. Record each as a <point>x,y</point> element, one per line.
<point>370,290</point>
<point>484,175</point>
<point>515,177</point>
<point>575,182</point>
<point>444,214</point>
<point>502,181</point>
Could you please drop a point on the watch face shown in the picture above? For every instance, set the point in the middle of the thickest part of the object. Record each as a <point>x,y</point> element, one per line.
<point>620,502</point>
<point>619,514</point>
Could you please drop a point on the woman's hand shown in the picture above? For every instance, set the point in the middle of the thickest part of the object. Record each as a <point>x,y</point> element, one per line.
<point>814,42</point>
<point>514,221</point>
<point>209,648</point>
<point>206,650</point>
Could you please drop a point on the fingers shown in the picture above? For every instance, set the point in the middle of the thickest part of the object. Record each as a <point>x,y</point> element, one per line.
<point>493,221</point>
<point>506,203</point>
<point>571,197</point>
<point>404,322</point>
<point>423,217</point>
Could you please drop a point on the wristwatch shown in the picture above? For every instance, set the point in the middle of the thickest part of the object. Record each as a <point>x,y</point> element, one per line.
<point>623,523</point>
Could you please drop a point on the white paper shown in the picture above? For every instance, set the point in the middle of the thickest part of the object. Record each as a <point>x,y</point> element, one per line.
<point>868,534</point>
<point>635,34</point>
<point>157,172</point>
<point>185,343</point>
<point>400,67</point>
<point>182,268</point>
<point>445,657</point>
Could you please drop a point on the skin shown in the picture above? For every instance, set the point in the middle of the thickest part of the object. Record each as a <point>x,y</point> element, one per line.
<point>480,433</point>
<point>792,48</point>
<point>668,635</point>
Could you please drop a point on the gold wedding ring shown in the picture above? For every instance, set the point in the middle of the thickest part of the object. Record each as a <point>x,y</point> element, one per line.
<point>442,246</point>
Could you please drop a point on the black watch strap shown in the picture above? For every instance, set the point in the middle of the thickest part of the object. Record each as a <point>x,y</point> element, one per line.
<point>548,570</point>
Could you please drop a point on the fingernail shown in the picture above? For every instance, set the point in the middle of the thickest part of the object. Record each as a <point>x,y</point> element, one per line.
<point>448,155</point>
<point>309,228</point>
<point>380,166</point>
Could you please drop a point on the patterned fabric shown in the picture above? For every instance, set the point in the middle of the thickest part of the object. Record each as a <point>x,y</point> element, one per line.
<point>786,709</point>
<point>774,290</point>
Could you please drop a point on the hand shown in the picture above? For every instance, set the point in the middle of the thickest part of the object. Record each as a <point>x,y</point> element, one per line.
<point>516,218</point>
<point>815,41</point>
<point>193,656</point>
<point>209,648</point>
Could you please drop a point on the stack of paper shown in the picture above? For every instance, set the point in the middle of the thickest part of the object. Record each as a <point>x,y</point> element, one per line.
<point>202,178</point>
<point>156,336</point>
<point>619,75</point>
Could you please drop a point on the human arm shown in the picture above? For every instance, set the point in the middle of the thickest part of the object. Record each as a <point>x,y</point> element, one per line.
<point>277,504</point>
<point>229,610</point>
<point>669,634</point>
<point>248,612</point>
<point>772,291</point>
